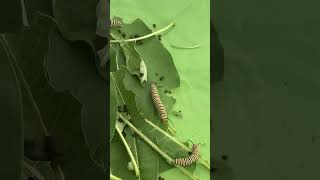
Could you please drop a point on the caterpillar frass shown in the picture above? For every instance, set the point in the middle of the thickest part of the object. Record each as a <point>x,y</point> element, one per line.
<point>158,104</point>
<point>190,159</point>
<point>115,23</point>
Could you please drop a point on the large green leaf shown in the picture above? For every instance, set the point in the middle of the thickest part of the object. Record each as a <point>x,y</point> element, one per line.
<point>76,19</point>
<point>11,116</point>
<point>156,57</point>
<point>164,143</point>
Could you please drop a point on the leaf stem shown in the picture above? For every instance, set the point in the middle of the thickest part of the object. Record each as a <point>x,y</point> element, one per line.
<point>136,168</point>
<point>145,36</point>
<point>113,177</point>
<point>155,147</point>
<point>201,160</point>
<point>186,47</point>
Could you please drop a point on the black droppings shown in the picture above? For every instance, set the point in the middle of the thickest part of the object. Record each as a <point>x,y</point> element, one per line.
<point>161,78</point>
<point>124,134</point>
<point>154,25</point>
<point>179,111</point>
<point>120,109</point>
<point>224,157</point>
<point>125,108</point>
<point>120,120</point>
<point>119,31</point>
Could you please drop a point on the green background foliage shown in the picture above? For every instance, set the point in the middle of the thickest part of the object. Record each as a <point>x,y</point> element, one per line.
<point>193,96</point>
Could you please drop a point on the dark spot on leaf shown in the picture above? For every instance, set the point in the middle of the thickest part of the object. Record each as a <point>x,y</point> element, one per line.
<point>119,31</point>
<point>224,157</point>
<point>179,111</point>
<point>124,134</point>
<point>125,108</point>
<point>136,36</point>
<point>120,120</point>
<point>156,74</point>
<point>161,78</point>
<point>154,25</point>
<point>189,153</point>
<point>161,178</point>
<point>134,134</point>
<point>159,37</point>
<point>120,109</point>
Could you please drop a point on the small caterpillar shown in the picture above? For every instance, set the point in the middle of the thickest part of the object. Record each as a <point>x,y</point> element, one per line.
<point>158,104</point>
<point>115,23</point>
<point>190,159</point>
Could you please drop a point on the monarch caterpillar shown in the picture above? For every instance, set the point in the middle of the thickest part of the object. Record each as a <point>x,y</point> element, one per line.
<point>115,23</point>
<point>190,159</point>
<point>158,104</point>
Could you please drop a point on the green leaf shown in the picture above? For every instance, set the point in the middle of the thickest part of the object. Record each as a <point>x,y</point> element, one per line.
<point>143,98</point>
<point>165,143</point>
<point>71,67</point>
<point>148,160</point>
<point>156,57</point>
<point>117,58</point>
<point>133,58</point>
<point>79,23</point>
<point>119,159</point>
<point>11,114</point>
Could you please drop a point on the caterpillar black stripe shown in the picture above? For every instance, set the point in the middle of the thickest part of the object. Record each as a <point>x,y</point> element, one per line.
<point>158,104</point>
<point>115,23</point>
<point>190,159</point>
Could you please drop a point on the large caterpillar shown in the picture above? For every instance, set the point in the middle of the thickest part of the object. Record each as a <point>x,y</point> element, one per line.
<point>158,104</point>
<point>190,159</point>
<point>115,23</point>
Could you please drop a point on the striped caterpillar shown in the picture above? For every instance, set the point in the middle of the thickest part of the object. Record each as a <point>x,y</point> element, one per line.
<point>158,104</point>
<point>190,159</point>
<point>115,23</point>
